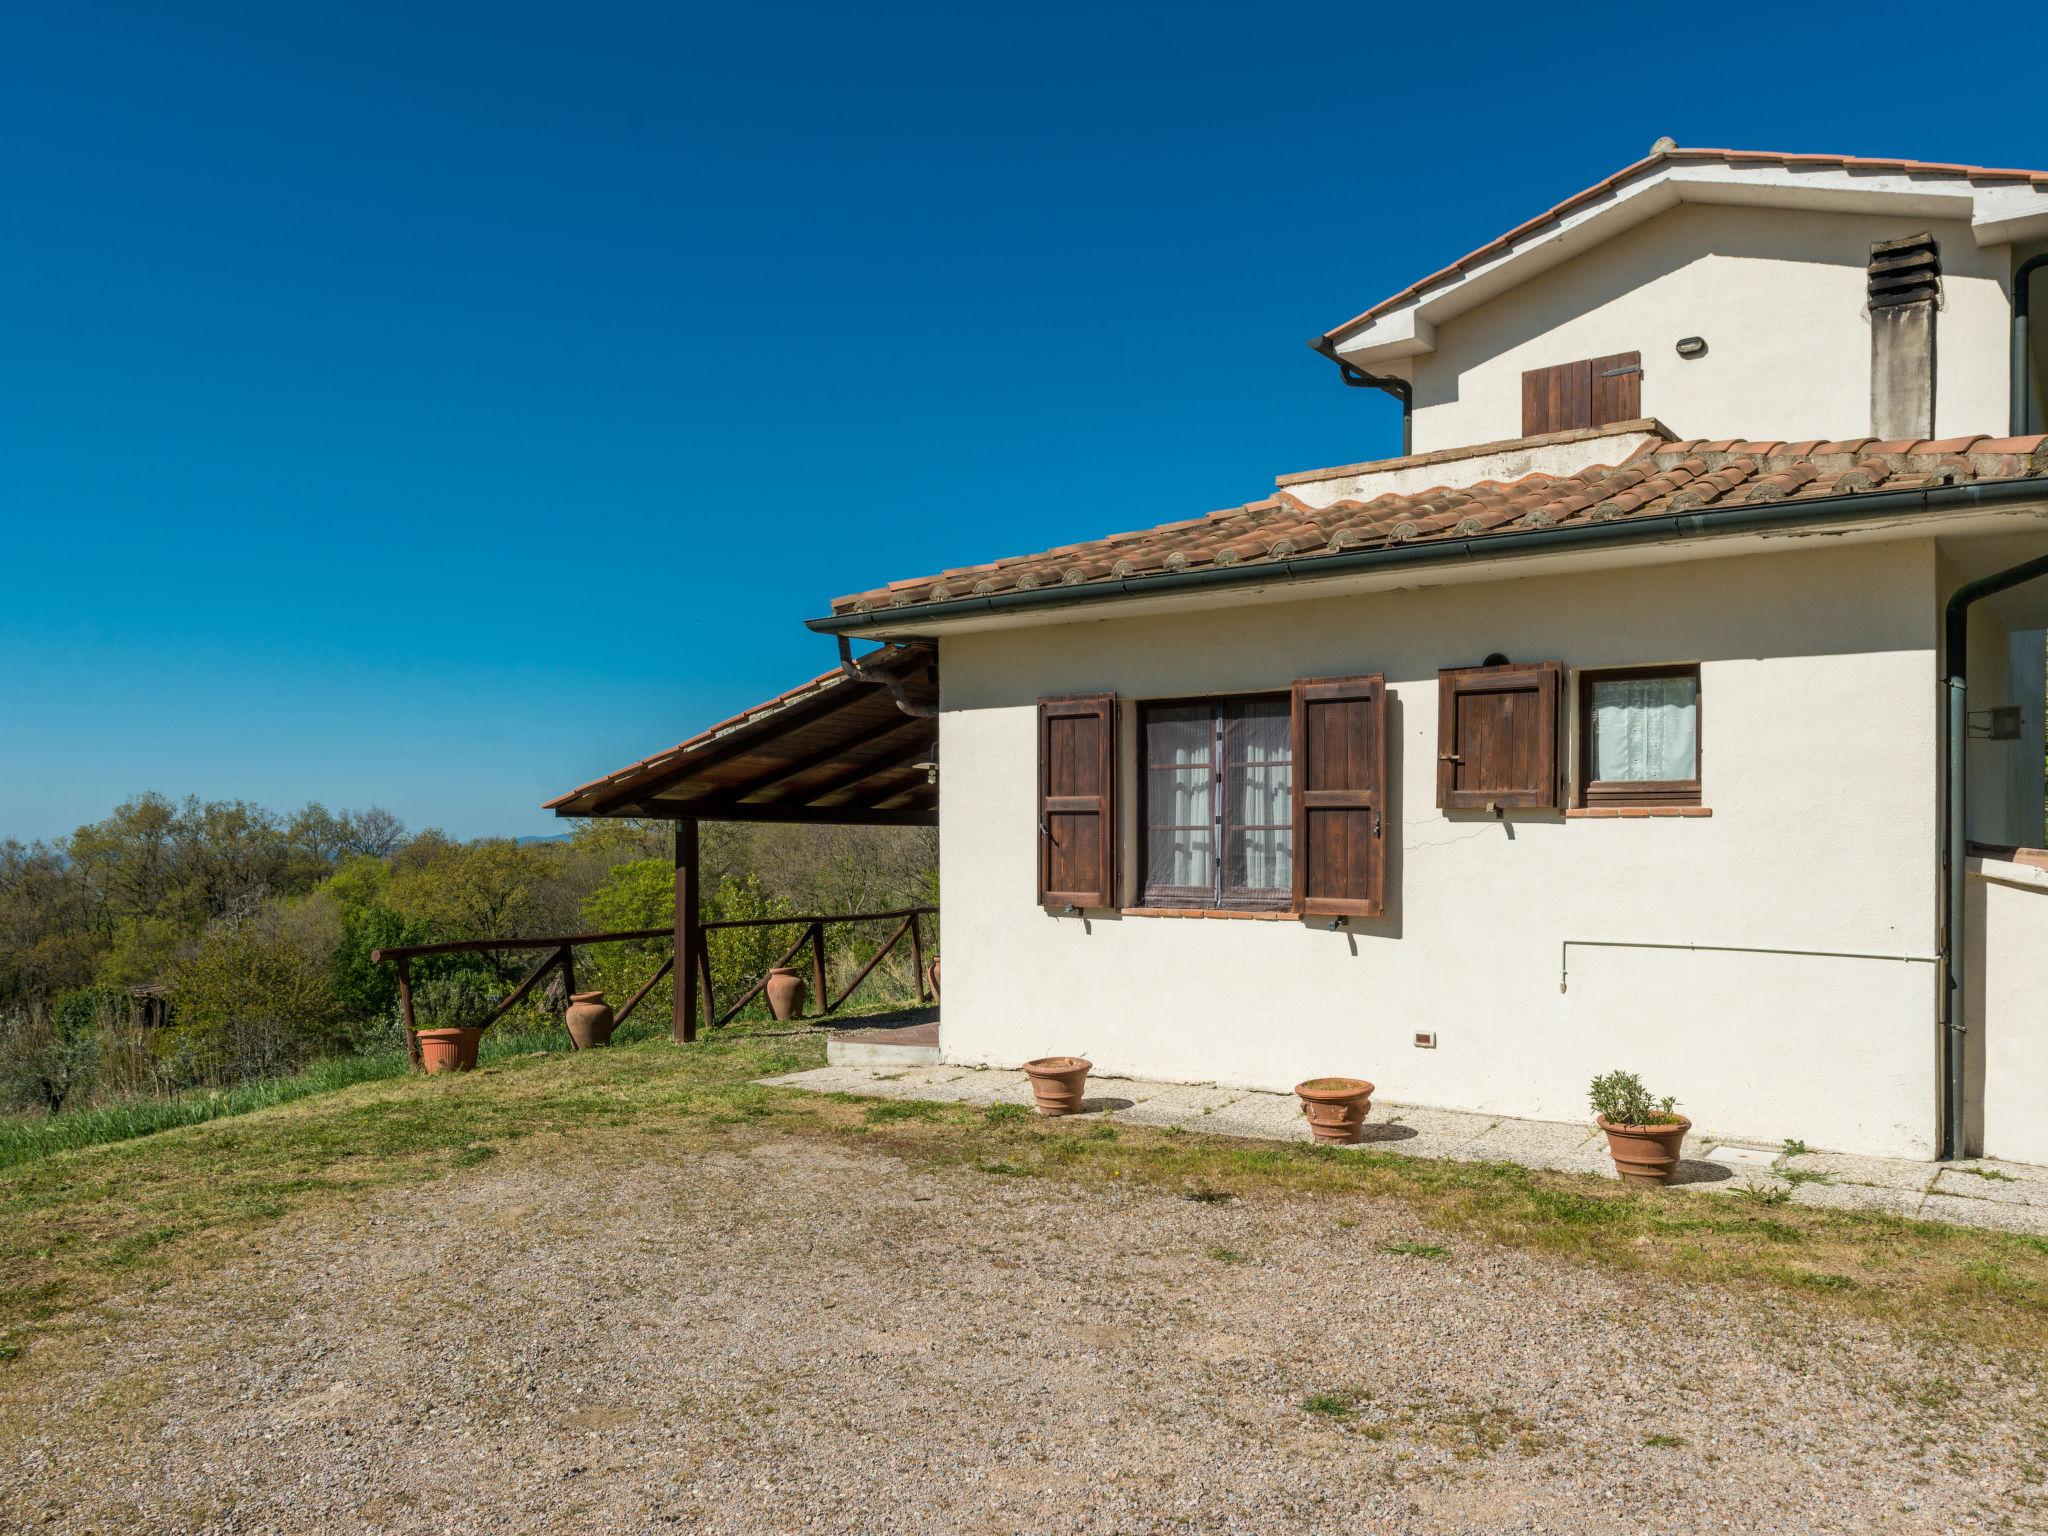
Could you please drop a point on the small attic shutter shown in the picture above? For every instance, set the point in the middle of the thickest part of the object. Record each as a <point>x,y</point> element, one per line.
<point>1340,774</point>
<point>1589,393</point>
<point>1497,737</point>
<point>1077,801</point>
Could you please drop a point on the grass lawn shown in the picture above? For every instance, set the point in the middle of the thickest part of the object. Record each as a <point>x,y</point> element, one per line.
<point>102,1221</point>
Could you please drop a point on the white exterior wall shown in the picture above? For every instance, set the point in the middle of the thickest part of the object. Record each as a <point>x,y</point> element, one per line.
<point>2006,978</point>
<point>1819,767</point>
<point>1779,296</point>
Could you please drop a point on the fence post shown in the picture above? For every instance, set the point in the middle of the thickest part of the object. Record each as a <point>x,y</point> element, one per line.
<point>917,956</point>
<point>412,1041</point>
<point>689,940</point>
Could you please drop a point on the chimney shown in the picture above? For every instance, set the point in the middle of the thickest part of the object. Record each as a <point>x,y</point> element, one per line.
<point>1905,292</point>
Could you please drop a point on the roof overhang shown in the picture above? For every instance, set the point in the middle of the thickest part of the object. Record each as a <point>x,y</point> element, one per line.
<point>855,746</point>
<point>1975,509</point>
<point>2000,207</point>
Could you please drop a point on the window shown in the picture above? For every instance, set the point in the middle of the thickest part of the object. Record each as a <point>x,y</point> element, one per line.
<point>1588,393</point>
<point>1269,803</point>
<point>1217,803</point>
<point>1639,736</point>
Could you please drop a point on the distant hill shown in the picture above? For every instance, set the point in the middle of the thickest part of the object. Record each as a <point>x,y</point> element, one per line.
<point>559,837</point>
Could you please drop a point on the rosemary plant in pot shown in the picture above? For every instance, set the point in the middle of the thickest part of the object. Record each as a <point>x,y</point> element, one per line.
<point>1643,1133</point>
<point>455,1005</point>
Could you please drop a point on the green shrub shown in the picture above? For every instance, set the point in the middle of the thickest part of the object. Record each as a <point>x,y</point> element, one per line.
<point>1623,1100</point>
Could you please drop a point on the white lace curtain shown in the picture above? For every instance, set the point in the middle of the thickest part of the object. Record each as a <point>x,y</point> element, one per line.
<point>1645,728</point>
<point>1259,763</point>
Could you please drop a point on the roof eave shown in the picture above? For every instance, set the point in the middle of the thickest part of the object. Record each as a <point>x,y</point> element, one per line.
<point>1977,495</point>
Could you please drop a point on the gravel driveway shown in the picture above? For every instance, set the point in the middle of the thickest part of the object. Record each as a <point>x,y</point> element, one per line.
<point>790,1334</point>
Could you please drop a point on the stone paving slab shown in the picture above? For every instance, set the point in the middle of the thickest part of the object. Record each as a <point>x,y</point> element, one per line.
<point>1995,1185</point>
<point>2016,1202</point>
<point>1180,1104</point>
<point>1880,1172</point>
<point>1985,1213</point>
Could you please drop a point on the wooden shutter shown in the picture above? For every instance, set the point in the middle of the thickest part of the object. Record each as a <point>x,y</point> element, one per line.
<point>1077,801</point>
<point>1340,775</point>
<point>1590,393</point>
<point>1496,737</point>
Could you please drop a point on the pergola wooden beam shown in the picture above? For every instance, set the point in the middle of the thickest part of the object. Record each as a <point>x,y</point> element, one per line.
<point>858,775</point>
<point>744,739</point>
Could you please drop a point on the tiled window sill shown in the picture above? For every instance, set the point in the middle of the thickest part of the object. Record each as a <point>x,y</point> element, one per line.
<point>1225,912</point>
<point>1634,812</point>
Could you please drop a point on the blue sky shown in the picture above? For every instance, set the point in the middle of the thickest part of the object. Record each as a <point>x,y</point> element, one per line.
<point>437,406</point>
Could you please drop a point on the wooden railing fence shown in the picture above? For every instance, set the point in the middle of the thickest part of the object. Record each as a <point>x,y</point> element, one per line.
<point>560,954</point>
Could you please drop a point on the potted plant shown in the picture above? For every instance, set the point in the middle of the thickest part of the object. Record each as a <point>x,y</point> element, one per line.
<point>1057,1082</point>
<point>1643,1134</point>
<point>1336,1107</point>
<point>589,1019</point>
<point>455,1005</point>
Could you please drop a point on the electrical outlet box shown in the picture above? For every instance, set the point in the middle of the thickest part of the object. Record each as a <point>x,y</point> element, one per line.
<point>1425,1039</point>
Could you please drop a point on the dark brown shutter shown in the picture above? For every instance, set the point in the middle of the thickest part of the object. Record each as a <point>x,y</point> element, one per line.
<point>1340,775</point>
<point>1077,801</point>
<point>1589,393</point>
<point>1496,737</point>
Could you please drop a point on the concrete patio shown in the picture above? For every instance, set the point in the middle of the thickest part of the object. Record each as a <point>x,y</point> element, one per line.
<point>2010,1197</point>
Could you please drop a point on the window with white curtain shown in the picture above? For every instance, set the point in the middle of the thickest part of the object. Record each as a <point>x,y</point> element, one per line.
<point>1639,736</point>
<point>1218,803</point>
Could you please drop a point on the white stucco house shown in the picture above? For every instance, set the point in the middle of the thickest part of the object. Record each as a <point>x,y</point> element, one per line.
<point>1674,701</point>
<point>1607,726</point>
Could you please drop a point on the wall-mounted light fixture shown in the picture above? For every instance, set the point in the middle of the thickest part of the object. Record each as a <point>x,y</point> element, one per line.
<point>1692,346</point>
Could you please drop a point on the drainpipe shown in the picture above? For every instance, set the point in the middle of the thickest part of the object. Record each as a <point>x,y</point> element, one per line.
<point>857,670</point>
<point>2022,369</point>
<point>1955,830</point>
<point>1357,378</point>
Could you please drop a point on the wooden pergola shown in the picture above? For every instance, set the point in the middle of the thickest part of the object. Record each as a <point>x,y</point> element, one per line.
<point>857,745</point>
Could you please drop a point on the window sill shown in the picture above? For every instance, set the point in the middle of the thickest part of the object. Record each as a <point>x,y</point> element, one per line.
<point>1634,812</point>
<point>1225,912</point>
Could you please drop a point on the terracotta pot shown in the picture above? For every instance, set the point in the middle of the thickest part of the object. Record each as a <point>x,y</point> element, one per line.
<point>785,992</point>
<point>1057,1082</point>
<point>590,1020</point>
<point>1336,1107</point>
<point>448,1050</point>
<point>1646,1154</point>
<point>931,974</point>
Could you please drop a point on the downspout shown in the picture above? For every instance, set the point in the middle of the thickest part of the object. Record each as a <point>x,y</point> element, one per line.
<point>860,674</point>
<point>1355,377</point>
<point>2022,364</point>
<point>1956,834</point>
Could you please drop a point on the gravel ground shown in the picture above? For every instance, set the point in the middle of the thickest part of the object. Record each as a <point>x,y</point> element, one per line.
<point>793,1335</point>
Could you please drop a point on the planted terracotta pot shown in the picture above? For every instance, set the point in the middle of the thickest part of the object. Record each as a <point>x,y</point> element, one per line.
<point>1646,1154</point>
<point>931,973</point>
<point>1336,1107</point>
<point>590,1020</point>
<point>1057,1082</point>
<point>448,1050</point>
<point>785,991</point>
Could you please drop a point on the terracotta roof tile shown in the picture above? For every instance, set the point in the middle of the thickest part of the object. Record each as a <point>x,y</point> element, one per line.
<point>1662,477</point>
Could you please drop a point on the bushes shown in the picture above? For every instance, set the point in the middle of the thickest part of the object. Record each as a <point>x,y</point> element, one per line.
<point>257,998</point>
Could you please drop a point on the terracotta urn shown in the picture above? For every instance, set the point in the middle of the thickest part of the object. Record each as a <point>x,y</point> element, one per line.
<point>590,1020</point>
<point>448,1050</point>
<point>1057,1083</point>
<point>1336,1107</point>
<point>931,974</point>
<point>785,992</point>
<point>1646,1154</point>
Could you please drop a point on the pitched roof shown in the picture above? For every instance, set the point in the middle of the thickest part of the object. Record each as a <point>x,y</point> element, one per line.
<point>1660,477</point>
<point>1663,157</point>
<point>834,749</point>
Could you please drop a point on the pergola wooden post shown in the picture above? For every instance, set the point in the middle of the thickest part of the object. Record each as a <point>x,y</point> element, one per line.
<point>689,935</point>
